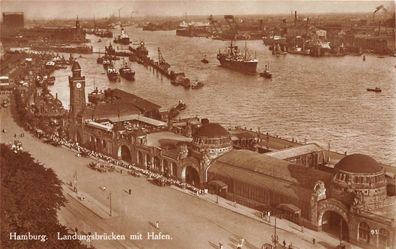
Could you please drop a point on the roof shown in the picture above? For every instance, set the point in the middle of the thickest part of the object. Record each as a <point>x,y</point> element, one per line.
<point>155,139</point>
<point>276,169</point>
<point>211,130</point>
<point>100,126</point>
<point>295,151</point>
<point>109,111</point>
<point>140,103</point>
<point>76,66</point>
<point>284,188</point>
<point>138,117</point>
<point>358,163</point>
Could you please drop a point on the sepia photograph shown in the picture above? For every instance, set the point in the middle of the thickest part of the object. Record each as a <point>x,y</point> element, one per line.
<point>197,124</point>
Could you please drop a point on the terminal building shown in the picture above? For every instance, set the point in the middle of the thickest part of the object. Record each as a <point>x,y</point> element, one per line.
<point>353,197</point>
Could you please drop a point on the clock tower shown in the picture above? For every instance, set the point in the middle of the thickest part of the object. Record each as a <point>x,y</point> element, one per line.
<point>77,91</point>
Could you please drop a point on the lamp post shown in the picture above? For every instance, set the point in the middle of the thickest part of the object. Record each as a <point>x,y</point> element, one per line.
<point>110,202</point>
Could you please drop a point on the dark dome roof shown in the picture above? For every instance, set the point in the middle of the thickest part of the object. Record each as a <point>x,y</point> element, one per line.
<point>211,130</point>
<point>76,66</point>
<point>358,163</point>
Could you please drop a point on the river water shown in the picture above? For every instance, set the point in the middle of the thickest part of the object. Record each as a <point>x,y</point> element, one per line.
<point>323,100</point>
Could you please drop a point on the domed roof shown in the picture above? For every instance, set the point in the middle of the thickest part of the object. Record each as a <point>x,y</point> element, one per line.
<point>211,130</point>
<point>358,163</point>
<point>76,66</point>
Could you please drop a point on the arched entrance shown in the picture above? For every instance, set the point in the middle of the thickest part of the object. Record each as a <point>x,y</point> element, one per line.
<point>191,176</point>
<point>124,153</point>
<point>334,224</point>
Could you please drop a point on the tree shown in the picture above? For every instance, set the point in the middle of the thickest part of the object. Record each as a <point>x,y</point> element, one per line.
<point>30,197</point>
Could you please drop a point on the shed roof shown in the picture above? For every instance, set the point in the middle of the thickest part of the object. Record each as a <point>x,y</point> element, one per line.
<point>276,169</point>
<point>295,151</point>
<point>139,102</point>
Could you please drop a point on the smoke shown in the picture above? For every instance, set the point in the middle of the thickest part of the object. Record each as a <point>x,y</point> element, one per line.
<point>381,7</point>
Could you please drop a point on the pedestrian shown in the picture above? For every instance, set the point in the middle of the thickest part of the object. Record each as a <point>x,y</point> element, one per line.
<point>157,224</point>
<point>130,191</point>
<point>284,243</point>
<point>313,241</point>
<point>220,245</point>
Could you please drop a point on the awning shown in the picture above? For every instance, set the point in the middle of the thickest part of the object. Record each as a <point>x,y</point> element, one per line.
<point>218,183</point>
<point>289,208</point>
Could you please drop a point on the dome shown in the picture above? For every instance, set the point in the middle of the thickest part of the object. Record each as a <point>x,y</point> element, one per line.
<point>211,130</point>
<point>76,66</point>
<point>358,163</point>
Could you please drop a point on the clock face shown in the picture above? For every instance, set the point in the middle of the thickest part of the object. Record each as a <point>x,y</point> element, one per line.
<point>78,85</point>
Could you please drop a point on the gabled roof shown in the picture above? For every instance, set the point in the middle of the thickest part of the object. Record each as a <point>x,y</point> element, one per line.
<point>109,110</point>
<point>140,103</point>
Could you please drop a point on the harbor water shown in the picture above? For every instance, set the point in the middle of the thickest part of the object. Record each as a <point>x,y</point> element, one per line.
<point>322,100</point>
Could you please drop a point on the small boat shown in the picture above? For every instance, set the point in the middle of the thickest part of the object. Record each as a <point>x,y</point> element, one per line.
<point>266,73</point>
<point>112,74</point>
<point>126,72</point>
<point>377,90</point>
<point>197,84</point>
<point>186,83</point>
<point>106,63</point>
<point>204,60</point>
<point>180,106</point>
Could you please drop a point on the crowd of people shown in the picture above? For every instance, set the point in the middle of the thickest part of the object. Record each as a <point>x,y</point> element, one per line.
<point>132,167</point>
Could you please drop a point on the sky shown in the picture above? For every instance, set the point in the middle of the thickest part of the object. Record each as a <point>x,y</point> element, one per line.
<point>38,9</point>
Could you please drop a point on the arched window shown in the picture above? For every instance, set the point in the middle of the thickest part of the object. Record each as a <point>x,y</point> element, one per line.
<point>384,238</point>
<point>364,232</point>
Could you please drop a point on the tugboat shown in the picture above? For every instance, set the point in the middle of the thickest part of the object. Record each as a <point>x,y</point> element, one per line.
<point>266,73</point>
<point>204,60</point>
<point>141,51</point>
<point>377,90</point>
<point>234,59</point>
<point>112,74</point>
<point>126,72</point>
<point>106,63</point>
<point>180,106</point>
<point>197,84</point>
<point>99,60</point>
<point>110,50</point>
<point>123,38</point>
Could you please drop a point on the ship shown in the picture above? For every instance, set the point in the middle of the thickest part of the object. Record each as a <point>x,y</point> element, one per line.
<point>123,38</point>
<point>141,51</point>
<point>266,73</point>
<point>126,72</point>
<point>112,74</point>
<point>106,63</point>
<point>234,59</point>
